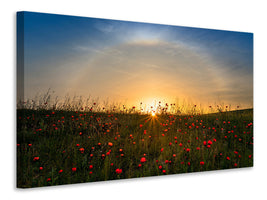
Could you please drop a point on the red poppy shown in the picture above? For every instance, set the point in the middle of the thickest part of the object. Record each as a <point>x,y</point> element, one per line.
<point>118,171</point>
<point>143,159</point>
<point>36,158</point>
<point>74,169</point>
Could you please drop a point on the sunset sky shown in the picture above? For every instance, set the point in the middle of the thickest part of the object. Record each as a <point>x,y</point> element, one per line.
<point>133,62</point>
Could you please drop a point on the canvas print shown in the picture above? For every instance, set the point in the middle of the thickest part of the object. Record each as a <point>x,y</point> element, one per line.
<point>101,99</point>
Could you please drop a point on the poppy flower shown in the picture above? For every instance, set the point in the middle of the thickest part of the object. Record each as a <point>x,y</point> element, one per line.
<point>118,171</point>
<point>143,159</point>
<point>81,150</point>
<point>202,163</point>
<point>74,169</point>
<point>36,158</point>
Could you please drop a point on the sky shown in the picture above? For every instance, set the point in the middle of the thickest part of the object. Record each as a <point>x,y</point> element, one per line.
<point>129,62</point>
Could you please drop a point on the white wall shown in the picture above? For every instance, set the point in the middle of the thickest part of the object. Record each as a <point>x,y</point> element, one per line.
<point>229,15</point>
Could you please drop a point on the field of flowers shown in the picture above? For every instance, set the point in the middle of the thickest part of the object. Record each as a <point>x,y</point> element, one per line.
<point>56,147</point>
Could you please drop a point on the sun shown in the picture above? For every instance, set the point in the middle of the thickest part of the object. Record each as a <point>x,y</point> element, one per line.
<point>153,114</point>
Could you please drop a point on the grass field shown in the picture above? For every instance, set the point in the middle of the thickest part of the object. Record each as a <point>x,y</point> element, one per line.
<point>57,147</point>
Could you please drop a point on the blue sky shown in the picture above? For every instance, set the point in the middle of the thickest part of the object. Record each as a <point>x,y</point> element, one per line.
<point>132,62</point>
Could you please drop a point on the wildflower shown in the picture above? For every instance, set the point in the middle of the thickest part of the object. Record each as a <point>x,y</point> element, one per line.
<point>143,159</point>
<point>81,150</point>
<point>118,171</point>
<point>36,158</point>
<point>60,171</point>
<point>202,163</point>
<point>74,169</point>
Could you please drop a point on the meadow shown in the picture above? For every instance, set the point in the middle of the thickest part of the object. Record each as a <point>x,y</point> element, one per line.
<point>66,146</point>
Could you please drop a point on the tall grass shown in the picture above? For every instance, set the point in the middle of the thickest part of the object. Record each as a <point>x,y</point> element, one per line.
<point>92,142</point>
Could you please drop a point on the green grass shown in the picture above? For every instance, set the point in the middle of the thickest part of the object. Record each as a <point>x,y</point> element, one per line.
<point>57,137</point>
